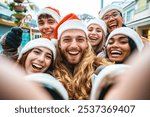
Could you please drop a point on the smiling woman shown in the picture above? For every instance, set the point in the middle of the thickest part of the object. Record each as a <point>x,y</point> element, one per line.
<point>13,85</point>
<point>121,43</point>
<point>37,56</point>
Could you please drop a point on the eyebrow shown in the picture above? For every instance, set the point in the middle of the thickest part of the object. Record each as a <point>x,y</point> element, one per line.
<point>112,13</point>
<point>49,53</point>
<point>121,37</point>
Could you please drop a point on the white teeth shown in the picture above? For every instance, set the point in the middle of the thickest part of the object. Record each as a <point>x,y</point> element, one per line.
<point>93,38</point>
<point>37,66</point>
<point>116,52</point>
<point>73,52</point>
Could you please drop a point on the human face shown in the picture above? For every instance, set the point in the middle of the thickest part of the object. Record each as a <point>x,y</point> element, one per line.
<point>46,26</point>
<point>38,60</point>
<point>113,20</point>
<point>72,44</point>
<point>95,34</point>
<point>118,48</point>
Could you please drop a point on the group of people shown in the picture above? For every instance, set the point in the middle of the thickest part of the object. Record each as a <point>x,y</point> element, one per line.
<point>71,60</point>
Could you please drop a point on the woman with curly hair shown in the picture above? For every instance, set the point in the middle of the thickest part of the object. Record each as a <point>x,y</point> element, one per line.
<point>76,62</point>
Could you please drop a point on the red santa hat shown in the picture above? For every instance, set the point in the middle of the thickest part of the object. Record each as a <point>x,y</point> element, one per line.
<point>130,33</point>
<point>109,8</point>
<point>51,11</point>
<point>70,21</point>
<point>44,42</point>
<point>99,22</point>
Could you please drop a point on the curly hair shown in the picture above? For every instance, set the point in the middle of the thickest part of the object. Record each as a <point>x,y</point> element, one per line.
<point>79,83</point>
<point>100,46</point>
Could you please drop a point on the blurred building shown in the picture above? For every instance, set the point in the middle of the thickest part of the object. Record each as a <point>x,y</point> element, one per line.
<point>136,15</point>
<point>7,22</point>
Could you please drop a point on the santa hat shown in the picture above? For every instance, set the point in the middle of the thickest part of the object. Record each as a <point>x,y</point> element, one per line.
<point>70,21</point>
<point>130,33</point>
<point>105,78</point>
<point>109,8</point>
<point>51,11</point>
<point>99,22</point>
<point>53,86</point>
<point>44,42</point>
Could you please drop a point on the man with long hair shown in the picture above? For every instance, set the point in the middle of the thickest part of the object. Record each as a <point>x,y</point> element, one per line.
<point>75,62</point>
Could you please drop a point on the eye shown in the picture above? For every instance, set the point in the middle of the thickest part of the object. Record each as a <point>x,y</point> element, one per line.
<point>51,21</point>
<point>36,52</point>
<point>49,57</point>
<point>90,29</point>
<point>66,40</point>
<point>124,41</point>
<point>106,17</point>
<point>98,30</point>
<point>40,23</point>
<point>81,39</point>
<point>110,42</point>
<point>115,14</point>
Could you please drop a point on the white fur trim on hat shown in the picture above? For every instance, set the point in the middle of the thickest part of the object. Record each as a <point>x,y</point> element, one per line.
<point>130,33</point>
<point>109,8</point>
<point>49,82</point>
<point>51,12</point>
<point>99,22</point>
<point>44,42</point>
<point>111,70</point>
<point>71,24</point>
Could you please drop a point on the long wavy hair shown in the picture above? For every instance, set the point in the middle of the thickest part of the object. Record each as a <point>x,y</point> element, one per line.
<point>78,84</point>
<point>100,46</point>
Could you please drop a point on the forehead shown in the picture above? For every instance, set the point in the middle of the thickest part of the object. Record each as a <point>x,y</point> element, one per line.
<point>111,11</point>
<point>94,25</point>
<point>73,32</point>
<point>119,36</point>
<point>41,48</point>
<point>45,16</point>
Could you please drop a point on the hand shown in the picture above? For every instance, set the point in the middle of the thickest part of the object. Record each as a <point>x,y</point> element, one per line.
<point>14,37</point>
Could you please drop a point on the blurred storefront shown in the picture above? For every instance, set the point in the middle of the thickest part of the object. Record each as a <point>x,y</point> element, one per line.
<point>140,14</point>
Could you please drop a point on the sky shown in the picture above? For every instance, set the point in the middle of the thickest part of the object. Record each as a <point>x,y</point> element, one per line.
<point>91,7</point>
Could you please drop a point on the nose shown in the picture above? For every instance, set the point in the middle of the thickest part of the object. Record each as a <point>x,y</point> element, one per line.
<point>74,44</point>
<point>93,32</point>
<point>115,45</point>
<point>41,57</point>
<point>111,18</point>
<point>46,25</point>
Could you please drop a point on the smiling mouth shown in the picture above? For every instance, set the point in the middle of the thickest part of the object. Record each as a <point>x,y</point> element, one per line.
<point>37,67</point>
<point>73,52</point>
<point>115,53</point>
<point>93,38</point>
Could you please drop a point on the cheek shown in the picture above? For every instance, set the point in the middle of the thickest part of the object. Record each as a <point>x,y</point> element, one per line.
<point>27,62</point>
<point>127,49</point>
<point>40,28</point>
<point>120,21</point>
<point>84,45</point>
<point>107,48</point>
<point>48,63</point>
<point>54,25</point>
<point>100,35</point>
<point>62,45</point>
